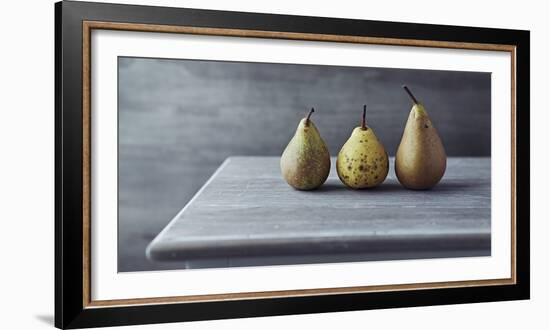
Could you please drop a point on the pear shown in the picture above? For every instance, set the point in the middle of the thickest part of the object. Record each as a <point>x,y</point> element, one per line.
<point>420,161</point>
<point>305,163</point>
<point>362,161</point>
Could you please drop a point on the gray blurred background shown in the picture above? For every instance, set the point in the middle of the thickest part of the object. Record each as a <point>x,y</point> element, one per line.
<point>179,120</point>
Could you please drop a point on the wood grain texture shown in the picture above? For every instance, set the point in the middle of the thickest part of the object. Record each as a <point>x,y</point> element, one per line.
<point>247,215</point>
<point>294,36</point>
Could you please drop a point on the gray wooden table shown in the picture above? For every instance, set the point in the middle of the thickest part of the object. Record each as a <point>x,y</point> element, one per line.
<point>247,215</point>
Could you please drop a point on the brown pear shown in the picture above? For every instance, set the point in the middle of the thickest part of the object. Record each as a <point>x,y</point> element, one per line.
<point>420,161</point>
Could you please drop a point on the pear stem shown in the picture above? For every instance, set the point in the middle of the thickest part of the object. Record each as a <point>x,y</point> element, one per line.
<point>363,119</point>
<point>308,116</point>
<point>410,94</point>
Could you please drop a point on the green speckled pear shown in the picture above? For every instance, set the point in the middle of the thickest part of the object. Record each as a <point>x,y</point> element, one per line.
<point>305,163</point>
<point>420,161</point>
<point>362,161</point>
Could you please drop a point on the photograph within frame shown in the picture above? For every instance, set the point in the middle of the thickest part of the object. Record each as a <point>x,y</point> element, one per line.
<point>120,41</point>
<point>165,105</point>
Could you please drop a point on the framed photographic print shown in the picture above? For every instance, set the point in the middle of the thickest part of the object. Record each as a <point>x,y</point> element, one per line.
<point>214,164</point>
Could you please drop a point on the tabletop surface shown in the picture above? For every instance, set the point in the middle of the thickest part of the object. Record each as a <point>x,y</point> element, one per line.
<point>246,214</point>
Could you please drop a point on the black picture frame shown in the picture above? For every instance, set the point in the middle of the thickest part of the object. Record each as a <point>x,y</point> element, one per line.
<point>70,307</point>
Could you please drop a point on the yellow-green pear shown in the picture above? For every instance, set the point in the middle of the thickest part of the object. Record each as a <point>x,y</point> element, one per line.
<point>362,161</point>
<point>420,161</point>
<point>305,163</point>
